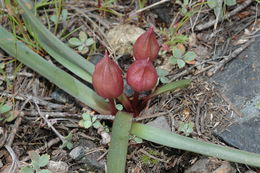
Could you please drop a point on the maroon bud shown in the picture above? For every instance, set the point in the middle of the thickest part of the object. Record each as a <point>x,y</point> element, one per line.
<point>146,46</point>
<point>107,78</point>
<point>141,75</point>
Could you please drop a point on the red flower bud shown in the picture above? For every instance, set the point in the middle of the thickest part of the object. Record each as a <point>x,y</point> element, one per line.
<point>141,75</point>
<point>107,78</point>
<point>146,46</point>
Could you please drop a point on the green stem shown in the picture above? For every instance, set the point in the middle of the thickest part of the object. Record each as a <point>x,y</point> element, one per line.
<point>117,152</point>
<point>184,143</point>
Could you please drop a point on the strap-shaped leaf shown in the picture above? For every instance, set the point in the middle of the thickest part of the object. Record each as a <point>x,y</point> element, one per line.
<point>170,139</point>
<point>56,48</point>
<point>117,152</point>
<point>54,74</point>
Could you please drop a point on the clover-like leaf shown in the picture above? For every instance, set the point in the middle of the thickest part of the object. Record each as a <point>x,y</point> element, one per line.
<point>73,42</point>
<point>189,56</point>
<point>119,107</point>
<point>27,169</point>
<point>173,60</point>
<point>82,36</point>
<point>97,124</point>
<point>5,108</point>
<point>186,128</point>
<point>87,124</point>
<point>180,63</point>
<point>230,2</point>
<point>89,41</point>
<point>43,160</point>
<point>44,171</point>
<point>176,52</point>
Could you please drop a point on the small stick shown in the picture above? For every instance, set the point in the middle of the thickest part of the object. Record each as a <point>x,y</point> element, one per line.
<point>149,6</point>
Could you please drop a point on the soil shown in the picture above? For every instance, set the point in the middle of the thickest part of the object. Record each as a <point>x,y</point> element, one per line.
<point>200,104</point>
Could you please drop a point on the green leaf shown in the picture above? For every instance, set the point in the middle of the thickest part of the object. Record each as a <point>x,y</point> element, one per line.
<point>69,145</point>
<point>176,52</point>
<point>119,107</point>
<point>173,60</point>
<point>44,160</point>
<point>189,56</point>
<point>44,171</point>
<point>5,108</point>
<point>27,170</point>
<point>230,2</point>
<point>86,117</point>
<point>162,72</point>
<point>87,124</point>
<point>117,152</point>
<point>73,42</point>
<point>186,128</point>
<point>53,18</point>
<point>164,80</point>
<point>180,63</point>
<point>173,140</point>
<point>171,87</point>
<point>82,36</point>
<point>212,3</point>
<point>54,74</point>
<point>34,156</point>
<point>56,48</point>
<point>89,41</point>
<point>138,140</point>
<point>64,14</point>
<point>97,124</point>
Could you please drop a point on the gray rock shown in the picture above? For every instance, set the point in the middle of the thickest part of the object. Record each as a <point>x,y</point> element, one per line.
<point>200,166</point>
<point>77,153</point>
<point>239,82</point>
<point>160,122</point>
<point>85,155</point>
<point>58,167</point>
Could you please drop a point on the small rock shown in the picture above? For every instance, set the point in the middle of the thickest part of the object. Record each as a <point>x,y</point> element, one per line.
<point>58,167</point>
<point>84,154</point>
<point>77,153</point>
<point>199,167</point>
<point>1,164</point>
<point>122,38</point>
<point>160,122</point>
<point>225,168</point>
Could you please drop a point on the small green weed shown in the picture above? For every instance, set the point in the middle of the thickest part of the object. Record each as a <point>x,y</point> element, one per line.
<point>145,159</point>
<point>67,142</point>
<point>186,128</point>
<point>162,73</point>
<point>82,43</point>
<point>180,59</point>
<point>37,163</point>
<point>89,121</point>
<point>218,7</point>
<point>6,113</point>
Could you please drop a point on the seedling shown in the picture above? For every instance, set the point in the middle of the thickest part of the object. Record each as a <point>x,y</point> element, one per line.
<point>82,43</point>
<point>180,59</point>
<point>162,73</point>
<point>218,7</point>
<point>89,121</point>
<point>186,128</point>
<point>67,142</point>
<point>145,159</point>
<point>6,113</point>
<point>62,18</point>
<point>38,162</point>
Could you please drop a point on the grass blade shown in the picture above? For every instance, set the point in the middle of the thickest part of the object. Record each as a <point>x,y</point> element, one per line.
<point>65,81</point>
<point>117,152</point>
<point>184,143</point>
<point>56,48</point>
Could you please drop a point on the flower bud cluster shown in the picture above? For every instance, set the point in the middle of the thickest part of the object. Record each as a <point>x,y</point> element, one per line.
<point>141,75</point>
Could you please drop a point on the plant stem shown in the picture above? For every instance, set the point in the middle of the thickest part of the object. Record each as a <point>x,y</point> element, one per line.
<point>185,143</point>
<point>112,106</point>
<point>117,152</point>
<point>126,102</point>
<point>135,104</point>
